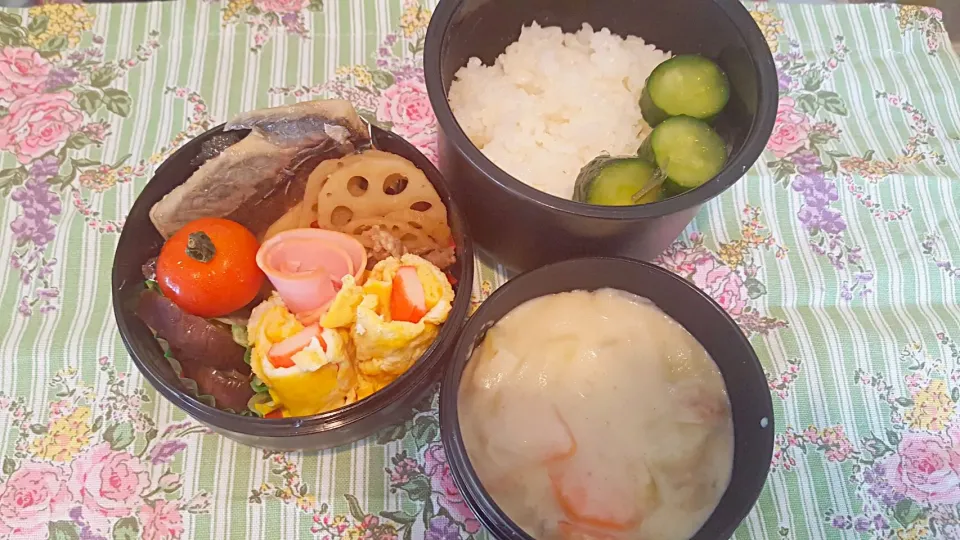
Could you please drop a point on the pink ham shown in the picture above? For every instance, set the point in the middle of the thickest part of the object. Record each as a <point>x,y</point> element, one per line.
<point>313,316</point>
<point>307,266</point>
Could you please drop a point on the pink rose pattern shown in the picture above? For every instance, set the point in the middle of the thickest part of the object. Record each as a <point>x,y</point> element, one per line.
<point>53,101</point>
<point>913,472</point>
<point>441,481</point>
<point>926,468</point>
<point>791,129</point>
<point>161,520</point>
<point>269,18</point>
<point>69,478</point>
<point>281,6</point>
<point>722,283</point>
<point>907,474</point>
<point>391,92</point>
<point>107,484</point>
<point>406,106</point>
<point>34,495</point>
<point>38,124</point>
<point>809,162</point>
<point>22,72</point>
<point>726,284</point>
<point>706,271</point>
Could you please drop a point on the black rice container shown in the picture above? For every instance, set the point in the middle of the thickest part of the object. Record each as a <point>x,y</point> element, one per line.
<point>140,241</point>
<point>746,383</point>
<point>502,207</point>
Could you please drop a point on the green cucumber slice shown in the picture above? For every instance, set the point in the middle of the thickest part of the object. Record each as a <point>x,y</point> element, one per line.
<point>688,152</point>
<point>618,181</point>
<point>688,85</point>
<point>658,194</point>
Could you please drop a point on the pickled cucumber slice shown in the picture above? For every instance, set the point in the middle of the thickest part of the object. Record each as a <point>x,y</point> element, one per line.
<point>688,85</point>
<point>687,151</point>
<point>618,181</point>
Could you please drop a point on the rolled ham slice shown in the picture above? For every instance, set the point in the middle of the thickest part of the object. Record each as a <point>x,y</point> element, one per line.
<point>310,317</point>
<point>307,267</point>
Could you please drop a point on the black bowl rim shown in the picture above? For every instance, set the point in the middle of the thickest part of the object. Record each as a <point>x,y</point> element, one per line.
<point>736,167</point>
<point>465,476</point>
<point>331,420</point>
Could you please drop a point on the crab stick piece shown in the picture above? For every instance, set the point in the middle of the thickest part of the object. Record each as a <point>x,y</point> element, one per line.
<point>281,354</point>
<point>408,302</point>
<point>307,265</point>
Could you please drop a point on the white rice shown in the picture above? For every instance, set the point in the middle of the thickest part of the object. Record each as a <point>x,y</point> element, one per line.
<point>554,101</point>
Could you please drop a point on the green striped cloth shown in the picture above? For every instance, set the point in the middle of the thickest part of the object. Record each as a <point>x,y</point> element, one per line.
<point>837,254</point>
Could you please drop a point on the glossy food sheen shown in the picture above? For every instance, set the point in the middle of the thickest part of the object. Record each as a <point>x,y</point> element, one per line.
<point>687,150</point>
<point>594,413</point>
<point>223,281</point>
<point>306,265</point>
<point>618,181</point>
<point>258,179</point>
<point>193,340</point>
<point>689,85</point>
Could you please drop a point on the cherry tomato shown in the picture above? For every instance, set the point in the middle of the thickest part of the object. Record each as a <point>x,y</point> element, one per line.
<point>209,267</point>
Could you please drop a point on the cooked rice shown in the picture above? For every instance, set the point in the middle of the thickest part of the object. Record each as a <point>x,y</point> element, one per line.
<point>554,101</point>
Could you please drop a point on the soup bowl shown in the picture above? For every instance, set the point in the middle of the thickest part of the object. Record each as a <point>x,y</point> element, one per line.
<point>140,241</point>
<point>523,227</point>
<point>751,406</point>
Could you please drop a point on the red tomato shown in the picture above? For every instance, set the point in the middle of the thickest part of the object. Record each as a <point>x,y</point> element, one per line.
<point>209,267</point>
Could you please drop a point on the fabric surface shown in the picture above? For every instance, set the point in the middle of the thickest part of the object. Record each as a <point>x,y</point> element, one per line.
<point>837,254</point>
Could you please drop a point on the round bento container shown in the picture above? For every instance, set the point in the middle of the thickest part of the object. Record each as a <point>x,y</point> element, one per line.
<point>746,384</point>
<point>502,207</point>
<point>140,241</point>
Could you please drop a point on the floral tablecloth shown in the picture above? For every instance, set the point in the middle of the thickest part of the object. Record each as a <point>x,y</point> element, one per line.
<point>838,255</point>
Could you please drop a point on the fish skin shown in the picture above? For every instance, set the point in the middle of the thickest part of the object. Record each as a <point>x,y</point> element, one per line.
<point>216,145</point>
<point>305,123</point>
<point>258,179</point>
